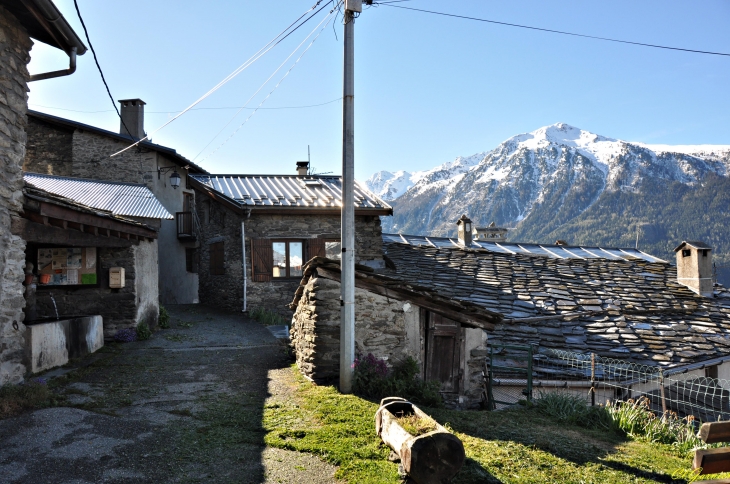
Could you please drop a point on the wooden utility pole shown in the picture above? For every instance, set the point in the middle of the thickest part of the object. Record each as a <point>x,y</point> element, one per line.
<point>347,284</point>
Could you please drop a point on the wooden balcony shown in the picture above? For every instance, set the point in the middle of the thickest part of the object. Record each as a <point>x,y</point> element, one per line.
<point>185,227</point>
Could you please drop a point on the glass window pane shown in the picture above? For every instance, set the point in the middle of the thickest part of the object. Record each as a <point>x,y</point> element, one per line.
<point>333,250</point>
<point>279,259</point>
<point>295,259</point>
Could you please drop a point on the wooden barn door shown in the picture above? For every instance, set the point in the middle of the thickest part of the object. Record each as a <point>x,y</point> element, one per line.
<point>443,351</point>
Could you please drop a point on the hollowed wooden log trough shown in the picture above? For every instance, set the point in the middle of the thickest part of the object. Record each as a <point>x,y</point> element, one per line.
<point>431,458</point>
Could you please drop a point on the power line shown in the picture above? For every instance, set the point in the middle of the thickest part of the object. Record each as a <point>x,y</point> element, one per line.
<point>555,31</point>
<point>272,43</point>
<point>194,109</point>
<point>327,18</point>
<point>114,103</point>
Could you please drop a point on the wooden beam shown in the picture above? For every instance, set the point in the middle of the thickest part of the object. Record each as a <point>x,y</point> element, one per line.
<point>63,213</point>
<point>712,461</point>
<point>713,432</point>
<point>44,234</point>
<point>445,308</point>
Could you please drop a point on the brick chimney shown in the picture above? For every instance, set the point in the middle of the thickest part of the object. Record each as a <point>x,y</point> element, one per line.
<point>694,266</point>
<point>132,111</point>
<point>464,231</point>
<point>302,168</point>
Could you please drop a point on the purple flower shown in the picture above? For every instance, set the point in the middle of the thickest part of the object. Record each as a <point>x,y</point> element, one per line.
<point>126,335</point>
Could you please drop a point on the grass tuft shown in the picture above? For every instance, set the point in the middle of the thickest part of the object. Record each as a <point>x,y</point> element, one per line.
<point>267,317</point>
<point>415,425</point>
<point>32,394</point>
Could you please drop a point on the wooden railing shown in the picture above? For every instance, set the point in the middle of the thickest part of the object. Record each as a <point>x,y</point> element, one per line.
<point>185,228</point>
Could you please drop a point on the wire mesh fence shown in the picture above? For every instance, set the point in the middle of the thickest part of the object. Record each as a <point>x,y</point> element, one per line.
<point>516,373</point>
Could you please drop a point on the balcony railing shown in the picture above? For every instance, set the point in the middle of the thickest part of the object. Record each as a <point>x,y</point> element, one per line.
<point>185,228</point>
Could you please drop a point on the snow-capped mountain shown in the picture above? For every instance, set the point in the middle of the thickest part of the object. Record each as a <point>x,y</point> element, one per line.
<point>540,181</point>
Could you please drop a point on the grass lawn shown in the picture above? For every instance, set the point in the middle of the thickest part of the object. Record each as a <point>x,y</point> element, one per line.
<point>515,446</point>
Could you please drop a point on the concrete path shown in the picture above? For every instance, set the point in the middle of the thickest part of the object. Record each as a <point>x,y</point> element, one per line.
<point>184,406</point>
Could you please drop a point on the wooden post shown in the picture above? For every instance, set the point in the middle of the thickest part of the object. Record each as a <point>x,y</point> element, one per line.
<point>593,379</point>
<point>661,389</point>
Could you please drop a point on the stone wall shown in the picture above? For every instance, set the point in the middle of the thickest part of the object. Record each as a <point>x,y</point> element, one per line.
<point>220,224</point>
<point>384,327</point>
<point>91,160</point>
<point>120,308</point>
<point>49,149</point>
<point>14,47</point>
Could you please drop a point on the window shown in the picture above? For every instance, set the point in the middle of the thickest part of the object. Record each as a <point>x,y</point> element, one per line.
<point>288,257</point>
<point>217,264</point>
<point>686,252</point>
<point>711,371</point>
<point>191,260</point>
<point>333,249</point>
<point>705,252</point>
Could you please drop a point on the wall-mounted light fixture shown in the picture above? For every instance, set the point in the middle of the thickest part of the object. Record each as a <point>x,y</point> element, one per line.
<point>174,177</point>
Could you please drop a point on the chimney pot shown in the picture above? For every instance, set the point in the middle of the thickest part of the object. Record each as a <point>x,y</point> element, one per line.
<point>132,114</point>
<point>694,266</point>
<point>464,231</point>
<point>302,168</point>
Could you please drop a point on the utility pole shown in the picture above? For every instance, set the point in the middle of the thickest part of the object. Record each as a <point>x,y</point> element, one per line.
<point>347,283</point>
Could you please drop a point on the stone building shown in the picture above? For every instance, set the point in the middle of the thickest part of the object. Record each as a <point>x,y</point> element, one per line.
<point>258,230</point>
<point>19,22</point>
<point>62,147</point>
<point>441,301</point>
<point>107,225</point>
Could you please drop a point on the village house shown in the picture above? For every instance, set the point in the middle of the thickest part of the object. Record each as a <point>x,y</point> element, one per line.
<point>90,264</point>
<point>257,231</point>
<point>444,301</point>
<point>19,22</point>
<point>62,147</point>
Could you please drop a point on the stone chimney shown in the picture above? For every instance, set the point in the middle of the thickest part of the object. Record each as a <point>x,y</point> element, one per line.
<point>464,231</point>
<point>491,233</point>
<point>302,168</point>
<point>694,266</point>
<point>132,117</point>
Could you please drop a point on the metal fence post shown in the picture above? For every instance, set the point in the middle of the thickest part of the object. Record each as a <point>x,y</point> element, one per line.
<point>529,373</point>
<point>593,379</point>
<point>661,389</point>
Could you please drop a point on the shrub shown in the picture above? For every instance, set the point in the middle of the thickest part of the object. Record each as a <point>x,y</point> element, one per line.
<point>573,409</point>
<point>143,331</point>
<point>267,317</point>
<point>127,335</point>
<point>164,320</point>
<point>636,418</point>
<point>373,379</point>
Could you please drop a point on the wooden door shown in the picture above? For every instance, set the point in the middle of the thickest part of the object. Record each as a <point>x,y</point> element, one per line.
<point>443,352</point>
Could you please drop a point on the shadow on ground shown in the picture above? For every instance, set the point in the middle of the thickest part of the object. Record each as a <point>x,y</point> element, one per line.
<point>184,406</point>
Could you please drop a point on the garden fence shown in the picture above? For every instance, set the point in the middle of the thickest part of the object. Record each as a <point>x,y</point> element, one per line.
<point>517,373</point>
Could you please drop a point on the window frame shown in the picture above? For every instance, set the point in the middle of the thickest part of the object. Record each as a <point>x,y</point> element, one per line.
<point>287,257</point>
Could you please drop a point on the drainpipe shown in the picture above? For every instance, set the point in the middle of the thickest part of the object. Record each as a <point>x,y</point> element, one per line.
<point>64,72</point>
<point>243,263</point>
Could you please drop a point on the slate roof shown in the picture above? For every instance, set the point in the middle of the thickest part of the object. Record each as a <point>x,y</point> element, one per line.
<point>555,251</point>
<point>290,192</point>
<point>627,309</point>
<point>125,199</point>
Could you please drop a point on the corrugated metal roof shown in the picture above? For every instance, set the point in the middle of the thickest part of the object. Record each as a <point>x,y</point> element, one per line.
<point>289,191</point>
<point>126,199</point>
<point>552,251</point>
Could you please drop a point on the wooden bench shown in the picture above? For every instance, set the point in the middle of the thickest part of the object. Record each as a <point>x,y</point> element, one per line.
<point>713,461</point>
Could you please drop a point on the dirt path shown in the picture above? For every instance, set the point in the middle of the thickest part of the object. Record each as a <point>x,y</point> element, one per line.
<point>184,406</point>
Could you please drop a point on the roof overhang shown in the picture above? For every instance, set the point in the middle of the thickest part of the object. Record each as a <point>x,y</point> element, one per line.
<point>44,22</point>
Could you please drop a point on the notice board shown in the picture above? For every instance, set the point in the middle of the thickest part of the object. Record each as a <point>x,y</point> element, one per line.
<point>68,266</point>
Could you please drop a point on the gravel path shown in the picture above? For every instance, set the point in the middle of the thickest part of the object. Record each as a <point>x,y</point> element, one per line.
<point>184,406</point>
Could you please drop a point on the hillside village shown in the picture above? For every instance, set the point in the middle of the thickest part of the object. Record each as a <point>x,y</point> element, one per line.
<point>167,312</point>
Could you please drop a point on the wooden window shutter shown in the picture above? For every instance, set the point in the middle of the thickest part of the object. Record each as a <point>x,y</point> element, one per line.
<point>316,248</point>
<point>217,259</point>
<point>262,256</point>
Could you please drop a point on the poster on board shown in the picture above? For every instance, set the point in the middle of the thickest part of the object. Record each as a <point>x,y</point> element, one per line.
<point>71,266</point>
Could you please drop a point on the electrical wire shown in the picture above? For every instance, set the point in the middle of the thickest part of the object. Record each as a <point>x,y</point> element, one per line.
<point>114,103</point>
<point>554,31</point>
<point>261,52</point>
<point>328,18</point>
<point>194,109</point>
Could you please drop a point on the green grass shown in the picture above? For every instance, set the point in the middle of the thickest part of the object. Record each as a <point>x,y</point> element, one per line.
<point>14,399</point>
<point>267,317</point>
<point>514,446</point>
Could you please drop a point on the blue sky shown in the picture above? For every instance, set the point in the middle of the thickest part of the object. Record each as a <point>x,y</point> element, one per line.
<point>428,88</point>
